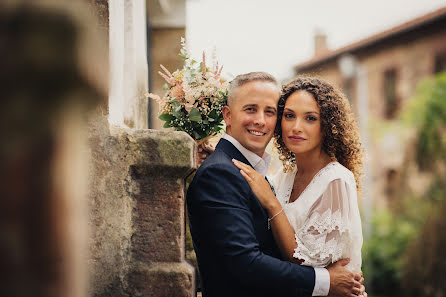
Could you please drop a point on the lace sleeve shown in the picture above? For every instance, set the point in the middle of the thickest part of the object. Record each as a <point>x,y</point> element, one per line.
<point>325,236</point>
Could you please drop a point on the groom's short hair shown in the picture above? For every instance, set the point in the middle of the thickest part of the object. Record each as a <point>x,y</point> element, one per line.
<point>242,79</point>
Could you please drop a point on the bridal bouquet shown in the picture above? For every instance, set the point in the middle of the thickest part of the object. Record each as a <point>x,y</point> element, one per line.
<point>194,98</point>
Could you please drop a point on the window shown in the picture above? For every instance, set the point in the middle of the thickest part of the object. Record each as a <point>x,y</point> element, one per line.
<point>348,89</point>
<point>440,62</point>
<point>391,99</point>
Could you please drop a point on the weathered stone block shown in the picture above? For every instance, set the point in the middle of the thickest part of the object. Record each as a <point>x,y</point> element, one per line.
<point>138,210</point>
<point>163,280</point>
<point>159,225</point>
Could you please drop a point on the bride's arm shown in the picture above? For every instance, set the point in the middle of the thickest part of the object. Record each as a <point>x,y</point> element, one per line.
<point>308,250</point>
<point>283,233</point>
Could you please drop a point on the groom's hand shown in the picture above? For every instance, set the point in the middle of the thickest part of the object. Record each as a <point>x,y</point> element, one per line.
<point>343,282</point>
<point>363,293</point>
<point>204,150</point>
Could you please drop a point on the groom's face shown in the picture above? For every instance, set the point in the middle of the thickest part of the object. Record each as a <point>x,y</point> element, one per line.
<point>251,117</point>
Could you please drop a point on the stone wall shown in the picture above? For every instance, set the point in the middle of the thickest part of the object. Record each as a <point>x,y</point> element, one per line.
<point>137,211</point>
<point>136,191</point>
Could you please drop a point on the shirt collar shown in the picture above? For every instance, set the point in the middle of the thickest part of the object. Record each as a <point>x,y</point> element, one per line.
<point>259,164</point>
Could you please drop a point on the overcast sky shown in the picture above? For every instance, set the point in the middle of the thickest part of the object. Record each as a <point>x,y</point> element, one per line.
<point>274,35</point>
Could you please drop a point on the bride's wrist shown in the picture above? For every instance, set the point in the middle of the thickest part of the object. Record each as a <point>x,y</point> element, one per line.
<point>274,208</point>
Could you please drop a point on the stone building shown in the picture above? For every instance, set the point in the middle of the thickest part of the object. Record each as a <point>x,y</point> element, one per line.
<point>378,74</point>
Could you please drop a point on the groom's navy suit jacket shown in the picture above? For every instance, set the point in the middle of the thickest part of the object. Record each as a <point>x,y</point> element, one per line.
<point>236,253</point>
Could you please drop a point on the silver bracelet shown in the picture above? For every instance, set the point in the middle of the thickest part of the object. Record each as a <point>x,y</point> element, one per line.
<point>272,218</point>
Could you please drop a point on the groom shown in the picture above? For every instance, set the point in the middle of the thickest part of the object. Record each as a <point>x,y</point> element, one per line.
<point>236,253</point>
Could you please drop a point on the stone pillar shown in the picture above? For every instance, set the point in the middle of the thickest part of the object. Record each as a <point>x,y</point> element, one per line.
<point>156,183</point>
<point>136,190</point>
<point>128,105</point>
<point>137,211</point>
<point>137,202</point>
<point>51,76</point>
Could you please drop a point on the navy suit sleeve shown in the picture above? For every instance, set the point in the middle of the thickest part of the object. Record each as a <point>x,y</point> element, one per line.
<point>221,206</point>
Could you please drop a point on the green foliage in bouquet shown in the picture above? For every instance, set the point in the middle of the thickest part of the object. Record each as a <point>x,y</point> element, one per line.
<point>195,97</point>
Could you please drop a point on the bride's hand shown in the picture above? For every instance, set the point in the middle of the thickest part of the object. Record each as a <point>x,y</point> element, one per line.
<point>259,186</point>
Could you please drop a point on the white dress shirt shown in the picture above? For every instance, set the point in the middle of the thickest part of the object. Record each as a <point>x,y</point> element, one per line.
<point>260,165</point>
<point>322,280</point>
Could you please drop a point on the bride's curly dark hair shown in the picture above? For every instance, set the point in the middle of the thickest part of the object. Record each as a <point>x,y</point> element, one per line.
<point>340,131</point>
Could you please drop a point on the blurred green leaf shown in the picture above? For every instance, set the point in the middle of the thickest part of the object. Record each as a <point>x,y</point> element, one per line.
<point>213,114</point>
<point>427,112</point>
<point>165,117</point>
<point>176,109</point>
<point>194,115</point>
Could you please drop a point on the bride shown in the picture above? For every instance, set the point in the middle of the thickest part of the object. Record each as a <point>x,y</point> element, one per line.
<point>314,213</point>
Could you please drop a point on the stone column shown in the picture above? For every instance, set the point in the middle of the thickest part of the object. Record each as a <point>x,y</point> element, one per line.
<point>52,75</point>
<point>128,62</point>
<point>136,191</point>
<point>156,183</point>
<point>137,211</point>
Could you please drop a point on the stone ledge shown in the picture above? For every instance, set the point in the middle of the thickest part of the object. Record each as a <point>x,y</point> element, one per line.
<point>168,153</point>
<point>162,279</point>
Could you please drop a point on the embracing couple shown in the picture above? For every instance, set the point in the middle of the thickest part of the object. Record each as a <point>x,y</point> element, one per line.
<point>297,233</point>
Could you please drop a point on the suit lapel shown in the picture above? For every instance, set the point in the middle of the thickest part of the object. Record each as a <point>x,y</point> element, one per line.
<point>229,149</point>
<point>259,213</point>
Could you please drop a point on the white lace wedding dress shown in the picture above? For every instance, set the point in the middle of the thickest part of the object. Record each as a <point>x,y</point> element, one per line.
<point>325,217</point>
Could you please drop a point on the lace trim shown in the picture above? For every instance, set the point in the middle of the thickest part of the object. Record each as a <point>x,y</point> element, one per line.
<point>325,223</point>
<point>331,252</point>
<point>312,246</point>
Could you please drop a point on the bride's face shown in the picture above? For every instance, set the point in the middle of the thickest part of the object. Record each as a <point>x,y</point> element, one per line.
<point>301,123</point>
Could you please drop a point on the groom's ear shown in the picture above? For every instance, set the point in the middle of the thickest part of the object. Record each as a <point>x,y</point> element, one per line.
<point>226,111</point>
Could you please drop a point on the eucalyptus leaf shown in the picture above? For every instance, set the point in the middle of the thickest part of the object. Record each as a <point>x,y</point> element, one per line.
<point>166,117</point>
<point>176,110</point>
<point>194,115</point>
<point>213,114</point>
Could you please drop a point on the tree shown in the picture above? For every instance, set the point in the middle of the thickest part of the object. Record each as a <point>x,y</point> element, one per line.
<point>424,265</point>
